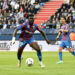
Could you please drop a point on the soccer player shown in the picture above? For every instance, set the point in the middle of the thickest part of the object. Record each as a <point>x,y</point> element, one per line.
<point>26,37</point>
<point>65,42</point>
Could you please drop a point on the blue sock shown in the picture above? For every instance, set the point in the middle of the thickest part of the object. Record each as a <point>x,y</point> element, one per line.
<point>18,57</point>
<point>73,52</point>
<point>60,56</point>
<point>39,54</point>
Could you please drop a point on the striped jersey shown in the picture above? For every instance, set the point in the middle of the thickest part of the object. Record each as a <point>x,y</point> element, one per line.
<point>27,31</point>
<point>65,35</point>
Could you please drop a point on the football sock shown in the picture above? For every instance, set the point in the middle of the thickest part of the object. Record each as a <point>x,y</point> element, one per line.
<point>60,56</point>
<point>39,54</point>
<point>73,52</point>
<point>18,57</point>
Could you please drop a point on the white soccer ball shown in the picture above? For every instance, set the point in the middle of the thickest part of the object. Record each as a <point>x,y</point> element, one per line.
<point>29,61</point>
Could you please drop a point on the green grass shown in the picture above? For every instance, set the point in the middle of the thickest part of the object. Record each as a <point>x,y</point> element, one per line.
<point>8,64</point>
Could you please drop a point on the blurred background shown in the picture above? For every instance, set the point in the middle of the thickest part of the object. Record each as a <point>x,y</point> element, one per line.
<point>47,16</point>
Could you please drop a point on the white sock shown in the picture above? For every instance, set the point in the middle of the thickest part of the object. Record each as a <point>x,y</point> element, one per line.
<point>40,62</point>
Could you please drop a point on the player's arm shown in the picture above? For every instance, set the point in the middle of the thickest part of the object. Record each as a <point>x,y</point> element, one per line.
<point>14,36</point>
<point>15,32</point>
<point>44,35</point>
<point>59,33</point>
<point>65,30</point>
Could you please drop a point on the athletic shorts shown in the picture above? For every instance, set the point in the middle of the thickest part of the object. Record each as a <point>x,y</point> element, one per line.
<point>65,44</point>
<point>23,43</point>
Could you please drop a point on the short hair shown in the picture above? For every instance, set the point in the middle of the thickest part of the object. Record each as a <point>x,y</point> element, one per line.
<point>64,17</point>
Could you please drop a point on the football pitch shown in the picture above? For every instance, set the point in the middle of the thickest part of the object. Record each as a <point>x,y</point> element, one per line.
<point>8,64</point>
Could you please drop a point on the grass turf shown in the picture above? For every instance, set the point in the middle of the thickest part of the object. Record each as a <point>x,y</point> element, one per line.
<point>8,64</point>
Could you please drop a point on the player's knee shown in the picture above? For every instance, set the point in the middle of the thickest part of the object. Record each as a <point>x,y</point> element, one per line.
<point>60,50</point>
<point>70,50</point>
<point>38,49</point>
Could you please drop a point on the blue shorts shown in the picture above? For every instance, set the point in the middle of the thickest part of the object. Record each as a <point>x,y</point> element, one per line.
<point>23,43</point>
<point>65,44</point>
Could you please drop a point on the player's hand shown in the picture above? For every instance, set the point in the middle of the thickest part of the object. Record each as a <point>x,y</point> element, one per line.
<point>60,30</point>
<point>48,41</point>
<point>57,39</point>
<point>13,41</point>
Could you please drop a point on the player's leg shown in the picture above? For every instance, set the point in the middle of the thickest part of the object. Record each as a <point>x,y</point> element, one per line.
<point>36,47</point>
<point>60,55</point>
<point>19,57</point>
<point>60,52</point>
<point>71,51</point>
<point>20,50</point>
<point>68,45</point>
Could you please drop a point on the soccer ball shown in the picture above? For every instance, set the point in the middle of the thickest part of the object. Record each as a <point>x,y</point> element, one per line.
<point>29,61</point>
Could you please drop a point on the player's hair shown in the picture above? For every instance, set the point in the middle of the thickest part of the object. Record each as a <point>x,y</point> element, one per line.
<point>64,17</point>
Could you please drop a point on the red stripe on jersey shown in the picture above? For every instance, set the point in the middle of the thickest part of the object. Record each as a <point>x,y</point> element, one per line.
<point>20,39</point>
<point>21,35</point>
<point>65,36</point>
<point>67,27</point>
<point>24,23</point>
<point>65,33</point>
<point>30,29</point>
<point>21,24</point>
<point>28,35</point>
